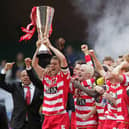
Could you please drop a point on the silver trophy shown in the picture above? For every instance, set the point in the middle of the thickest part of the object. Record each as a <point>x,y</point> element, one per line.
<point>44,16</point>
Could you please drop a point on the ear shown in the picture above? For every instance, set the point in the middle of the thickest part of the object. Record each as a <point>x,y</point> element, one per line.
<point>89,75</point>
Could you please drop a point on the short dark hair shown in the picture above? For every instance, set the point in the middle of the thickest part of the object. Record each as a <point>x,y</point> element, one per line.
<point>120,56</point>
<point>108,58</point>
<point>79,62</point>
<point>125,69</point>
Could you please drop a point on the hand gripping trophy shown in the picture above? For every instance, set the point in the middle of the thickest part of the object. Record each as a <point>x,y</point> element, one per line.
<point>41,18</point>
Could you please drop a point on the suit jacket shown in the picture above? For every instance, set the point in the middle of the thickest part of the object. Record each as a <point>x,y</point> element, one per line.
<point>21,108</point>
<point>3,118</point>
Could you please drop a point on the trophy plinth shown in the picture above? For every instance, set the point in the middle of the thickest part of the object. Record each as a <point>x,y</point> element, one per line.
<point>43,50</point>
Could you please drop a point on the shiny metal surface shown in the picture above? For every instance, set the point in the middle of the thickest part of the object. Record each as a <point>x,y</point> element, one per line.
<point>44,17</point>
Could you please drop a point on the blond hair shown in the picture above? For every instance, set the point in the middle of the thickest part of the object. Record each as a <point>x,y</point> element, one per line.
<point>89,69</point>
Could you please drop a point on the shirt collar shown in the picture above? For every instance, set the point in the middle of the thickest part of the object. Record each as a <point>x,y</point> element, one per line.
<point>31,85</point>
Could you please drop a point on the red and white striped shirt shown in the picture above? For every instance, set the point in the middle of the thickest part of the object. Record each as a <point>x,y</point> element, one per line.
<point>123,100</point>
<point>101,108</point>
<point>56,92</point>
<point>111,112</point>
<point>119,92</point>
<point>83,105</point>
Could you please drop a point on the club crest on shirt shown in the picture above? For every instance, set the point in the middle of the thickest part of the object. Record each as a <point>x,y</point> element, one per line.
<point>54,81</point>
<point>51,82</point>
<point>51,90</point>
<point>48,81</point>
<point>81,101</point>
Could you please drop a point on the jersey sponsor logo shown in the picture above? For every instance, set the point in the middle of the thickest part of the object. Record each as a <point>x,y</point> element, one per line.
<point>81,101</point>
<point>51,90</point>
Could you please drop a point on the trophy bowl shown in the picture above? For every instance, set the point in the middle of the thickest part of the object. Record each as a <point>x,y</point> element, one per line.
<point>44,17</point>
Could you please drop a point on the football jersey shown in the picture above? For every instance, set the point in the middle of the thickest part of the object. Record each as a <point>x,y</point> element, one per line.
<point>123,100</point>
<point>56,92</point>
<point>101,108</point>
<point>111,112</point>
<point>83,105</point>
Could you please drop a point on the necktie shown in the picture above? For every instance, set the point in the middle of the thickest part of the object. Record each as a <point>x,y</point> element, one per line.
<point>28,95</point>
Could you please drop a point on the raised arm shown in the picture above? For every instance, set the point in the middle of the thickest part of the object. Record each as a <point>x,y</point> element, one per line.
<point>32,75</point>
<point>59,55</point>
<point>88,59</point>
<point>3,84</point>
<point>98,65</point>
<point>39,70</point>
<point>90,92</point>
<point>119,72</point>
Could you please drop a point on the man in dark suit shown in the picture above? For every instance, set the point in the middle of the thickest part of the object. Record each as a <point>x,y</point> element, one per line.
<point>27,100</point>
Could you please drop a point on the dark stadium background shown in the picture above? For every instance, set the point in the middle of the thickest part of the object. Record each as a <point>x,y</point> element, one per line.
<point>16,13</point>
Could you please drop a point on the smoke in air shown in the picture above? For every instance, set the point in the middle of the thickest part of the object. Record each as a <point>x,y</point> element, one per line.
<point>108,25</point>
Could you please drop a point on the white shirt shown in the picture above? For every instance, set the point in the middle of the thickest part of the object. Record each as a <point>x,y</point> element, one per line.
<point>32,89</point>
